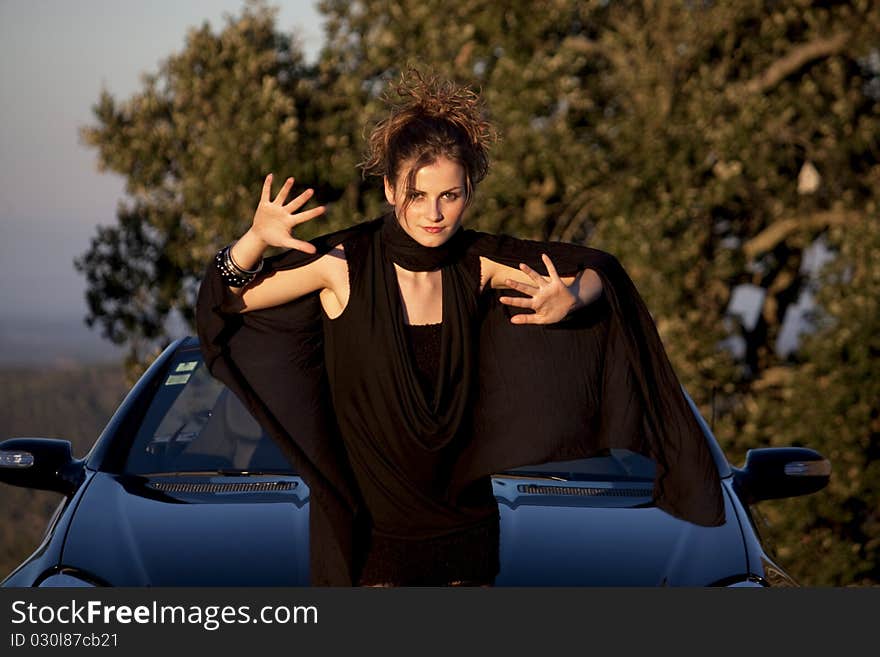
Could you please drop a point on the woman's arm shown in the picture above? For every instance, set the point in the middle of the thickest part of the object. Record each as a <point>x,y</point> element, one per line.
<point>272,226</point>
<point>328,272</point>
<point>551,297</point>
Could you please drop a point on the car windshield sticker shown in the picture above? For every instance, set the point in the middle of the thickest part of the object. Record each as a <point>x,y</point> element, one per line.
<point>176,379</point>
<point>188,366</point>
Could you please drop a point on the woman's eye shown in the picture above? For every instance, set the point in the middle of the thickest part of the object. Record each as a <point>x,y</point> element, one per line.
<point>451,196</point>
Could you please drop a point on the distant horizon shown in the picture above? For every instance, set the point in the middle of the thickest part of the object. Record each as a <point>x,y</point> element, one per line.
<point>54,342</point>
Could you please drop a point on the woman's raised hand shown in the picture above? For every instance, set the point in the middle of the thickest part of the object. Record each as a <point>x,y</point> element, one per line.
<point>274,220</point>
<point>550,298</point>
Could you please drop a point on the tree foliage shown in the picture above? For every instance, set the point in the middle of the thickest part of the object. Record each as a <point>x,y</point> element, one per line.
<point>217,116</point>
<point>705,144</point>
<point>830,401</point>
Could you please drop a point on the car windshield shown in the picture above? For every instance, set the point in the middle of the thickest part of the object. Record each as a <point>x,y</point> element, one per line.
<point>195,424</point>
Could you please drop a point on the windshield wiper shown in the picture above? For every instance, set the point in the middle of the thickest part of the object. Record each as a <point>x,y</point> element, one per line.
<point>225,473</point>
<point>526,475</point>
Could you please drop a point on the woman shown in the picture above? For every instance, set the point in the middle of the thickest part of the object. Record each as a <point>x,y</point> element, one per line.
<point>434,380</point>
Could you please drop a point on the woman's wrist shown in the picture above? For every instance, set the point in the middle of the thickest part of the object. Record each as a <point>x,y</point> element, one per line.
<point>232,274</point>
<point>240,262</point>
<point>247,252</point>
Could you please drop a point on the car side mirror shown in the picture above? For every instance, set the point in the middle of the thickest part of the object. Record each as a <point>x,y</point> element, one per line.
<point>777,472</point>
<point>41,463</point>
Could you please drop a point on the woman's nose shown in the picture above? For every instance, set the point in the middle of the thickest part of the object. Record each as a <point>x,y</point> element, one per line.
<point>435,212</point>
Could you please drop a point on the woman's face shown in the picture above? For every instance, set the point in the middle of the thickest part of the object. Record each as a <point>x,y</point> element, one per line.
<point>436,204</point>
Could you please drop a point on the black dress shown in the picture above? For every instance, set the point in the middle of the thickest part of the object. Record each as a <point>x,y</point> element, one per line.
<point>378,447</point>
<point>468,554</point>
<point>401,396</point>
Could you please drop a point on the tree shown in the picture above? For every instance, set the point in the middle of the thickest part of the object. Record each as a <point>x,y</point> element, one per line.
<point>830,401</point>
<point>194,146</point>
<point>743,132</point>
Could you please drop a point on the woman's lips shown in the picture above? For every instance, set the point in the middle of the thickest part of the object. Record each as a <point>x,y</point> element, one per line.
<point>433,229</point>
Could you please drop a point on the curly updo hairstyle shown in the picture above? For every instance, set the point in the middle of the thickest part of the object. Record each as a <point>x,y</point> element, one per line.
<point>430,118</point>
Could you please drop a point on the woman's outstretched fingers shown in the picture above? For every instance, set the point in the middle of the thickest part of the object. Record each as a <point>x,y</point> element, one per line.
<point>519,302</point>
<point>285,189</point>
<point>302,217</point>
<point>531,273</point>
<point>522,287</point>
<point>273,222</point>
<point>299,201</point>
<point>524,318</point>
<point>267,189</point>
<point>551,268</point>
<point>300,245</point>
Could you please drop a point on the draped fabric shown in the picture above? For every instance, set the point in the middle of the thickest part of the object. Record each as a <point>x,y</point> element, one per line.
<point>507,395</point>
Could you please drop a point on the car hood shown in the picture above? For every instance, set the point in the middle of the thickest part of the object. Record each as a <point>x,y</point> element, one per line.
<point>191,531</point>
<point>170,531</point>
<point>549,540</point>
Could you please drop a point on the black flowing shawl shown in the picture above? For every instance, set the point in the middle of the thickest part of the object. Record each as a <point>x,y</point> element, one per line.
<point>600,379</point>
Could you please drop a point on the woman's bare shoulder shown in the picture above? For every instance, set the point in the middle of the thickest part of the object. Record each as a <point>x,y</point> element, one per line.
<point>335,265</point>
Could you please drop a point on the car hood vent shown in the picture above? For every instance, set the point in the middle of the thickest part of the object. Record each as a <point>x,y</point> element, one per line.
<point>222,487</point>
<point>583,491</point>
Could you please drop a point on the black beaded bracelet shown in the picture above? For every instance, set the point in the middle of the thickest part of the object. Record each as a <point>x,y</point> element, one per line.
<point>230,272</point>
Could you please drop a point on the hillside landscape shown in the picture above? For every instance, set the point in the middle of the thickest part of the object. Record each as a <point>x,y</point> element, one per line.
<point>73,402</point>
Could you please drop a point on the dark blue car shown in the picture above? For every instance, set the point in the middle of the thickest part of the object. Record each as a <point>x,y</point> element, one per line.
<point>183,488</point>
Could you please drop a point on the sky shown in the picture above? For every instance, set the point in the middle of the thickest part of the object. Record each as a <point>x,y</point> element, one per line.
<point>55,57</point>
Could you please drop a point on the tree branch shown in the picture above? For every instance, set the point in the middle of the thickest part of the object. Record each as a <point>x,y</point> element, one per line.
<point>798,57</point>
<point>582,45</point>
<point>779,230</point>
